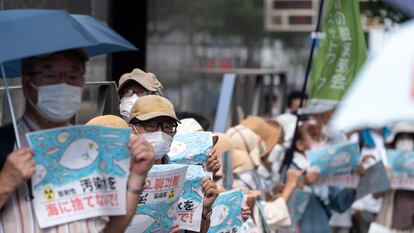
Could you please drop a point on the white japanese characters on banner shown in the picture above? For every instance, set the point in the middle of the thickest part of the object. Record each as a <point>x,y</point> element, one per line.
<point>190,205</point>
<point>226,216</point>
<point>81,173</point>
<point>191,148</point>
<point>401,174</point>
<point>158,203</point>
<point>336,164</point>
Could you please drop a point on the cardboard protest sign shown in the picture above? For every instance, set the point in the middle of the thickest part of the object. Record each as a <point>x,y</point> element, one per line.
<point>81,173</point>
<point>401,175</point>
<point>297,204</point>
<point>190,205</point>
<point>226,216</point>
<point>158,203</point>
<point>336,164</point>
<point>375,180</point>
<point>191,148</point>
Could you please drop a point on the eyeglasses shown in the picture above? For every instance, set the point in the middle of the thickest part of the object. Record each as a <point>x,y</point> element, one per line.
<point>75,78</point>
<point>128,92</point>
<point>153,125</point>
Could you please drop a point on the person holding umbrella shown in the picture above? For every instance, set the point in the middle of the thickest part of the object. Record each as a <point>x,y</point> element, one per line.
<point>52,86</point>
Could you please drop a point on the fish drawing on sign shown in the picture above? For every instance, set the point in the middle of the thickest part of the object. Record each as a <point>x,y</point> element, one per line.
<point>143,221</point>
<point>341,159</point>
<point>177,148</point>
<point>80,154</point>
<point>52,151</point>
<point>39,174</point>
<point>219,214</point>
<point>123,163</point>
<point>63,137</point>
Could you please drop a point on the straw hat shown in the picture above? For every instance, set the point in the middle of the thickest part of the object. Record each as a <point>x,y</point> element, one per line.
<point>152,106</point>
<point>148,80</point>
<point>269,133</point>
<point>240,161</point>
<point>108,121</point>
<point>244,138</point>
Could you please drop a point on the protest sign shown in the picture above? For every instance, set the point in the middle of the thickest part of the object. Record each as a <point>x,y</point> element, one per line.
<point>226,216</point>
<point>81,173</point>
<point>375,180</point>
<point>190,205</point>
<point>336,164</point>
<point>158,203</point>
<point>191,148</point>
<point>401,174</point>
<point>297,204</point>
<point>341,53</point>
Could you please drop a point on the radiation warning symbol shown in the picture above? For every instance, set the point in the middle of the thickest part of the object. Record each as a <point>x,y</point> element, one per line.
<point>171,194</point>
<point>49,194</point>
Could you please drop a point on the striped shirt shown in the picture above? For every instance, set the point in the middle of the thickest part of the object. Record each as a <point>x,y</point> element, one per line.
<point>17,215</point>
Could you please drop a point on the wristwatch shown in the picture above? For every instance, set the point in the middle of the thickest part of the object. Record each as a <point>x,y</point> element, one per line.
<point>207,216</point>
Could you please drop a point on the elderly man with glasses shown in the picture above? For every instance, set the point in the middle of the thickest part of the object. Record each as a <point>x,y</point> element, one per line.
<point>52,85</point>
<point>153,118</point>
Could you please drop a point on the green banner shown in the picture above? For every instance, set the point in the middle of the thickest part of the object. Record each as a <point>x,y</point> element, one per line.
<point>341,53</point>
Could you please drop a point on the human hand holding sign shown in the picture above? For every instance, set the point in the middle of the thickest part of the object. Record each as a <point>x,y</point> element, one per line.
<point>210,190</point>
<point>213,164</point>
<point>142,159</point>
<point>18,168</point>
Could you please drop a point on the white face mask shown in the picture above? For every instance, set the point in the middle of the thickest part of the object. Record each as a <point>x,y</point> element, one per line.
<point>404,144</point>
<point>126,105</point>
<point>58,102</point>
<point>160,141</point>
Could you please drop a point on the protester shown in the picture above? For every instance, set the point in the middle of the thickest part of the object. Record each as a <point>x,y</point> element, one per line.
<point>246,153</point>
<point>397,212</point>
<point>133,85</point>
<point>323,199</point>
<point>273,212</point>
<point>288,119</point>
<point>270,134</point>
<point>373,150</point>
<point>153,118</point>
<point>52,86</point>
